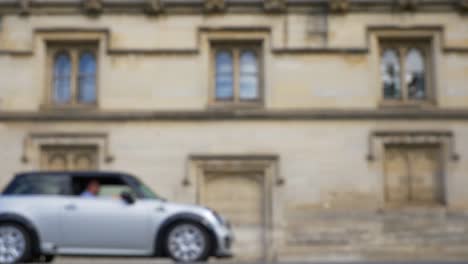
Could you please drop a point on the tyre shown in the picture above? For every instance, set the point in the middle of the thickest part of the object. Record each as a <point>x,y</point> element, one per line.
<point>15,244</point>
<point>43,258</point>
<point>188,242</point>
<point>48,258</point>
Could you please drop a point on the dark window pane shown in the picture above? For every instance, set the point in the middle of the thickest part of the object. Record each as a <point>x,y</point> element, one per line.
<point>38,185</point>
<point>224,75</point>
<point>248,76</point>
<point>62,74</point>
<point>390,74</point>
<point>114,190</point>
<point>415,74</point>
<point>87,78</point>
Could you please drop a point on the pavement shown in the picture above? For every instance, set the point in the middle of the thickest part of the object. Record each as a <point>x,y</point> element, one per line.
<point>122,260</point>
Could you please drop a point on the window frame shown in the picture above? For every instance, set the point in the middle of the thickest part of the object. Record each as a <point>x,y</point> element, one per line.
<point>74,50</point>
<point>402,45</point>
<point>236,48</point>
<point>69,150</point>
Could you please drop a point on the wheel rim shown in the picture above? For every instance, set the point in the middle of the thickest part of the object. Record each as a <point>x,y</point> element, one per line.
<point>186,242</point>
<point>12,244</point>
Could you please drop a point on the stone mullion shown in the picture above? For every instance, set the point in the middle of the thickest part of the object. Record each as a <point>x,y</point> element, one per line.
<point>428,70</point>
<point>236,72</point>
<point>74,76</point>
<point>404,88</point>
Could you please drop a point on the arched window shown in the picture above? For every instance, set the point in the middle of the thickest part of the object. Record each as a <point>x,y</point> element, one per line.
<point>415,74</point>
<point>390,74</point>
<point>87,78</point>
<point>224,75</point>
<point>61,78</point>
<point>405,68</point>
<point>248,80</point>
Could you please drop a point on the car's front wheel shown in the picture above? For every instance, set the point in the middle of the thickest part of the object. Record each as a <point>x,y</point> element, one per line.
<point>188,242</point>
<point>14,243</point>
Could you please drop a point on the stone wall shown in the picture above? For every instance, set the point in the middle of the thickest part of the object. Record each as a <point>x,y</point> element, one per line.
<point>320,119</point>
<point>350,234</point>
<point>149,53</point>
<point>331,203</point>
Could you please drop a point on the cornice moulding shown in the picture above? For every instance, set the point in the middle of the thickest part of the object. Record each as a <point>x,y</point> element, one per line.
<point>275,6</point>
<point>234,6</point>
<point>214,6</point>
<point>408,5</point>
<point>25,7</point>
<point>92,6</point>
<point>154,7</point>
<point>339,6</point>
<point>463,4</point>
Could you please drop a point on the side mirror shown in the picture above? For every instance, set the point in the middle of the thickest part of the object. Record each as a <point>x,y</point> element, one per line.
<point>127,197</point>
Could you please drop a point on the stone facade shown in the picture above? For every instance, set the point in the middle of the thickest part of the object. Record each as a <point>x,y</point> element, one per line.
<point>310,159</point>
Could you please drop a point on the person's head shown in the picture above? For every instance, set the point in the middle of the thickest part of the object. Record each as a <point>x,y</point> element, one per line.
<point>93,187</point>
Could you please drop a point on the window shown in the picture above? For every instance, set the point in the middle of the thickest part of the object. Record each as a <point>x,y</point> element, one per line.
<point>237,74</point>
<point>74,72</point>
<point>62,76</point>
<point>87,78</point>
<point>413,174</point>
<point>38,185</point>
<point>109,186</point>
<point>404,71</point>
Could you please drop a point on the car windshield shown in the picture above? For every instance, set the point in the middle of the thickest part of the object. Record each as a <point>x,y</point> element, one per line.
<point>146,191</point>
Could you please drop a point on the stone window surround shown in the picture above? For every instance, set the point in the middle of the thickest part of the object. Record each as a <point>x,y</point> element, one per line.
<point>235,48</point>
<point>376,147</point>
<point>377,36</point>
<point>70,156</point>
<point>33,141</point>
<point>74,50</point>
<point>268,164</point>
<point>209,38</point>
<point>399,45</point>
<point>70,39</point>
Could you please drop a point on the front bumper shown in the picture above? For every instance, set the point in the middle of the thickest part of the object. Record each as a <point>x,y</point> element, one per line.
<point>225,238</point>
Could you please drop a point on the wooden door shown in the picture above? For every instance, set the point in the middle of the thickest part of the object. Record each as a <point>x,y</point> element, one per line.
<point>413,174</point>
<point>396,175</point>
<point>240,198</point>
<point>426,175</point>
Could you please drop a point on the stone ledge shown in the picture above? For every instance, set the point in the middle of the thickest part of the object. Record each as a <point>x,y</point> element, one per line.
<point>254,114</point>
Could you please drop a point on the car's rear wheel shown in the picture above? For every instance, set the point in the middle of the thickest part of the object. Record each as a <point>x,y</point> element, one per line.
<point>48,258</point>
<point>188,242</point>
<point>43,259</point>
<point>15,244</point>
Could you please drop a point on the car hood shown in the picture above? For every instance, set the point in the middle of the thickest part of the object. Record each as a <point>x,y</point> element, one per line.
<point>176,208</point>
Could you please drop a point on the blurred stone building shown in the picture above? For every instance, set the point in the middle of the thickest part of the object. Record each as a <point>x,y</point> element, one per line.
<point>325,130</point>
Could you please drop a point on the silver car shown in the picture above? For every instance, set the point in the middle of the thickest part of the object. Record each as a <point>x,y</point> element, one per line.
<point>43,214</point>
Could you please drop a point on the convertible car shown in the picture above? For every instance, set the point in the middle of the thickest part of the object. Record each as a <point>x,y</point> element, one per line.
<point>43,214</point>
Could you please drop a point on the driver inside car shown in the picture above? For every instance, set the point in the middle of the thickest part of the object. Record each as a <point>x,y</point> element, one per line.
<point>92,190</point>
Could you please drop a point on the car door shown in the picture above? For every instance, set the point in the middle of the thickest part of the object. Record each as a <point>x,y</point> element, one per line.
<point>107,226</point>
